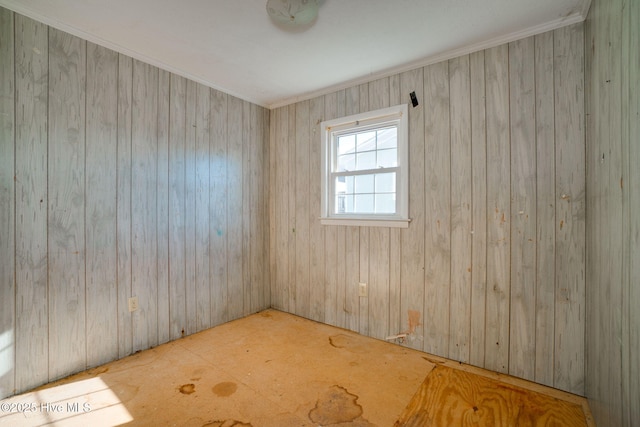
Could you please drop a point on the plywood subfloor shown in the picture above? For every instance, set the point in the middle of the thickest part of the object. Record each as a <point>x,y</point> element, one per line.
<point>276,369</point>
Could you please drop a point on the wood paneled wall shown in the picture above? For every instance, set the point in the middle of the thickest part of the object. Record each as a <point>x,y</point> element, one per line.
<point>491,270</point>
<point>613,211</point>
<point>119,179</point>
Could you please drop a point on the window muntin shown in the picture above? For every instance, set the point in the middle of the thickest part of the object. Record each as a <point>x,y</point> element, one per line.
<point>365,168</point>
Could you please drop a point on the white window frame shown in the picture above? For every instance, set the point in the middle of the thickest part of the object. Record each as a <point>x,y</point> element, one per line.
<point>330,129</point>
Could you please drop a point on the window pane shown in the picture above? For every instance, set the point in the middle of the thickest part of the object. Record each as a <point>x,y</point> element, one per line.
<point>386,203</point>
<point>364,203</point>
<point>385,183</point>
<point>346,163</point>
<point>344,203</point>
<point>364,184</point>
<point>346,144</point>
<point>350,184</point>
<point>366,141</point>
<point>388,158</point>
<point>366,160</point>
<point>387,138</point>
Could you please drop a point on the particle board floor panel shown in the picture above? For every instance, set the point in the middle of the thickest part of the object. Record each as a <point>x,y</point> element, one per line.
<point>275,369</point>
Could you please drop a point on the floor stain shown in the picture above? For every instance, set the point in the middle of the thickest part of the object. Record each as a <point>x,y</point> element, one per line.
<point>187,388</point>
<point>337,406</point>
<point>225,389</point>
<point>227,423</point>
<point>97,371</point>
<point>347,342</point>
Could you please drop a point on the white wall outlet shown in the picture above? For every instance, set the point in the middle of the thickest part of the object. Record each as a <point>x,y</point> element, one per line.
<point>362,289</point>
<point>133,304</point>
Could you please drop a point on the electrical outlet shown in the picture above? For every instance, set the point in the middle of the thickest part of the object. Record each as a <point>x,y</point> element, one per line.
<point>133,304</point>
<point>362,289</point>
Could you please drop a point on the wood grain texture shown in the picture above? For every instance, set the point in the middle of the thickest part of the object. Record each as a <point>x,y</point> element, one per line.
<point>545,209</point>
<point>454,397</point>
<point>523,222</point>
<point>101,204</point>
<point>122,181</point>
<point>7,204</point>
<point>460,209</point>
<point>29,176</point>
<point>479,209</point>
<point>66,207</point>
<point>412,276</point>
<point>123,202</point>
<point>437,209</point>
<point>234,209</point>
<point>303,178</point>
<point>316,231</point>
<point>202,238</point>
<point>218,215</point>
<point>612,111</point>
<point>164,119</point>
<point>289,189</point>
<point>144,197</point>
<point>499,210</point>
<point>177,207</point>
<point>570,208</point>
<point>477,281</point>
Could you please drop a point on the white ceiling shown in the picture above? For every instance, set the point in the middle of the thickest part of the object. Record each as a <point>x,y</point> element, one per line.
<point>233,46</point>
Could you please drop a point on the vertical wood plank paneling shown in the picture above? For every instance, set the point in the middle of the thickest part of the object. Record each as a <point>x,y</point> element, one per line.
<point>570,212</point>
<point>282,206</point>
<point>413,302</point>
<point>302,208</point>
<point>341,240</point>
<point>234,206</point>
<point>612,283</point>
<point>633,115</point>
<point>32,332</point>
<point>177,207</point>
<point>437,210</point>
<point>316,230</point>
<point>289,190</point>
<point>164,118</point>
<point>498,205</point>
<point>480,142</point>
<point>190,162</point>
<point>218,206</point>
<point>7,204</point>
<point>115,181</point>
<point>461,218</point>
<point>395,242</point>
<point>378,296</point>
<point>479,209</point>
<point>123,203</point>
<point>522,320</point>
<point>330,239</point>
<point>144,204</point>
<point>352,241</point>
<point>66,215</point>
<point>266,221</point>
<point>363,310</point>
<point>101,207</point>
<point>259,164</point>
<point>202,155</point>
<point>246,209</point>
<point>598,371</point>
<point>626,69</point>
<point>545,210</point>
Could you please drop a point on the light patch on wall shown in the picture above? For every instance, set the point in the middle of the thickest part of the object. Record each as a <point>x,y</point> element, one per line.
<point>84,403</point>
<point>6,356</point>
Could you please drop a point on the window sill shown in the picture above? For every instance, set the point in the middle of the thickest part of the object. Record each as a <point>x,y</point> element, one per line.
<point>360,222</point>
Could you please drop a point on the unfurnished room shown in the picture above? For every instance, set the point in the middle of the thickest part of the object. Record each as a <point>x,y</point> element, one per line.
<point>320,213</point>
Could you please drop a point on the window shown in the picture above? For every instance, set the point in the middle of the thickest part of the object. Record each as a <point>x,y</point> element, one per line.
<point>365,169</point>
